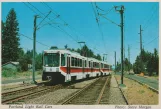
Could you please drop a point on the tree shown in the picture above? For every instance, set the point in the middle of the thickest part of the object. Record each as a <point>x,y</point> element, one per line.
<point>23,63</point>
<point>137,67</point>
<point>86,52</point>
<point>10,39</point>
<point>38,62</point>
<point>98,57</point>
<point>118,66</point>
<point>53,47</point>
<point>149,63</point>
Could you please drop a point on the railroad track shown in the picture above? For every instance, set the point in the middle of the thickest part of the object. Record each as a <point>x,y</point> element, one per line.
<point>16,96</point>
<point>14,87</point>
<point>91,94</point>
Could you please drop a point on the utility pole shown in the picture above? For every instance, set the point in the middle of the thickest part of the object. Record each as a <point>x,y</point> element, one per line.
<point>140,39</point>
<point>34,49</point>
<point>141,46</point>
<point>82,47</point>
<point>115,61</point>
<point>121,11</point>
<point>104,57</point>
<point>129,57</point>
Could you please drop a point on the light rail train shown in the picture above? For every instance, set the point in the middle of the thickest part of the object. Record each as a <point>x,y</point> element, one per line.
<point>61,65</point>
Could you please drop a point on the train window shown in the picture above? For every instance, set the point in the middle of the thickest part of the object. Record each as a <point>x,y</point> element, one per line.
<point>101,65</point>
<point>62,60</point>
<point>105,66</point>
<point>96,65</point>
<point>89,64</point>
<point>51,59</point>
<point>85,65</point>
<point>75,60</point>
<point>80,62</point>
<point>72,61</point>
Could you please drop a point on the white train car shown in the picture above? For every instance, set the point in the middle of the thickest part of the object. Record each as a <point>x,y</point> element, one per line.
<point>61,65</point>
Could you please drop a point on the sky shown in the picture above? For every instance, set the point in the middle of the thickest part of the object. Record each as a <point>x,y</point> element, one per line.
<point>71,22</point>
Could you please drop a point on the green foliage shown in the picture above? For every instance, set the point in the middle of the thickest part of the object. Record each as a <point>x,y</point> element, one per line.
<point>137,67</point>
<point>10,39</point>
<point>27,59</point>
<point>127,65</point>
<point>38,61</point>
<point>8,72</point>
<point>53,47</point>
<point>149,63</point>
<point>85,51</point>
<point>23,63</point>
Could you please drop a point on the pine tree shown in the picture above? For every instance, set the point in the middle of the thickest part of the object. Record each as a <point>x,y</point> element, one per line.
<point>10,39</point>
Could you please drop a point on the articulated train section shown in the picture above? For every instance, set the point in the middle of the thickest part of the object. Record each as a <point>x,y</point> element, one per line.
<point>61,66</point>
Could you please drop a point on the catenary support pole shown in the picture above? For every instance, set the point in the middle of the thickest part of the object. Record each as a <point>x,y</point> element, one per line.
<point>122,43</point>
<point>34,49</point>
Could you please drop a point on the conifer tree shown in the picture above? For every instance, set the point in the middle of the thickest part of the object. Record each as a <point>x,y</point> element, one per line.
<point>10,39</point>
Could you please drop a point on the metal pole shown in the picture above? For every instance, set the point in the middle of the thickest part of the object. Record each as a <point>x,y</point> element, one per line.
<point>129,57</point>
<point>34,49</point>
<point>115,61</point>
<point>122,43</point>
<point>141,47</point>
<point>140,39</point>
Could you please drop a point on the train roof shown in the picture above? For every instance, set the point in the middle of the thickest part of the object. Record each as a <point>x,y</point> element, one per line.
<point>72,53</point>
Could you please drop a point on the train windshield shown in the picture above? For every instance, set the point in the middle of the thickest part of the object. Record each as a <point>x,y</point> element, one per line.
<point>51,59</point>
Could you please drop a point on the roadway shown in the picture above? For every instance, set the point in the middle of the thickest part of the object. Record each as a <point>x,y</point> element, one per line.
<point>145,80</point>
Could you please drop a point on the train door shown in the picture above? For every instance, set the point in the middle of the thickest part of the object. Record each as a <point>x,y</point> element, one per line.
<point>91,66</point>
<point>83,68</point>
<point>68,68</point>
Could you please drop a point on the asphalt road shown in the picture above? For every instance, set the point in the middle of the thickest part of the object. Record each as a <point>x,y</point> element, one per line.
<point>150,82</point>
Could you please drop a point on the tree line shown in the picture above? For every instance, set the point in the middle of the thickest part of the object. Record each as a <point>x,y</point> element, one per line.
<point>147,63</point>
<point>127,65</point>
<point>86,52</point>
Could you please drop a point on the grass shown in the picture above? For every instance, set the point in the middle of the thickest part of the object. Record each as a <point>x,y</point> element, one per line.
<point>10,73</point>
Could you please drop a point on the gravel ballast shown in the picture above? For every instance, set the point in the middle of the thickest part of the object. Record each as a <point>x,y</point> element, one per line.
<point>58,96</point>
<point>52,97</point>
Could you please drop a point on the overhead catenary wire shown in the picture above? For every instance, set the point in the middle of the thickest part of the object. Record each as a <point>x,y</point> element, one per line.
<point>151,41</point>
<point>150,18</point>
<point>147,17</point>
<point>97,21</point>
<point>51,24</point>
<point>69,26</point>
<point>65,23</point>
<point>106,12</point>
<point>57,27</point>
<point>29,7</point>
<point>32,39</point>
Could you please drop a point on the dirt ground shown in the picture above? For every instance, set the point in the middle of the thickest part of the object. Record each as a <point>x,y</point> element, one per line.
<point>137,94</point>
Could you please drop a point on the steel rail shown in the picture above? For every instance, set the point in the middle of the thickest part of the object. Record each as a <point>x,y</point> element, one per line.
<point>19,90</point>
<point>30,94</point>
<point>78,92</point>
<point>102,91</point>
